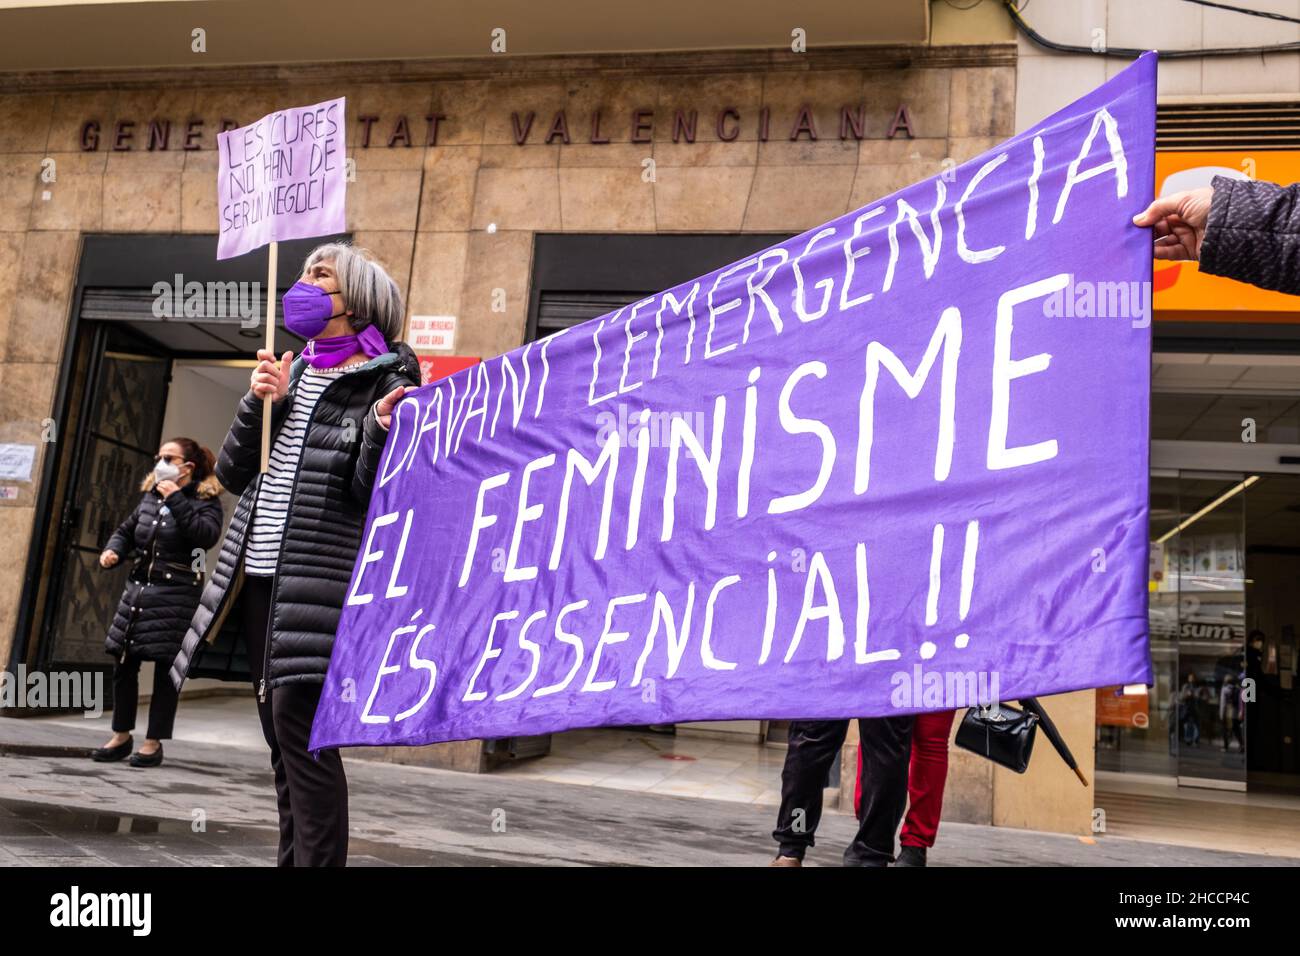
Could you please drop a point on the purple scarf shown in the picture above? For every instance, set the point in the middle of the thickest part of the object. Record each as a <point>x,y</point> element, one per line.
<point>327,353</point>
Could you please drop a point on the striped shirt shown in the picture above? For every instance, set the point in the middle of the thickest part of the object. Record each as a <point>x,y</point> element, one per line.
<point>272,506</point>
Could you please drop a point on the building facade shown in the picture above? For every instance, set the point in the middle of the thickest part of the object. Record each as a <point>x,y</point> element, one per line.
<point>512,194</point>
<point>1225,425</point>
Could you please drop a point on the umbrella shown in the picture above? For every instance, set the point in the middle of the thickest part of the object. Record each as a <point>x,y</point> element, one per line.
<point>1032,705</point>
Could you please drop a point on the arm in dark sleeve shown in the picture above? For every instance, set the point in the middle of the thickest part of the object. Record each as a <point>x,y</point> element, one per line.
<point>1253,234</point>
<point>122,541</point>
<point>199,520</point>
<point>241,453</point>
<point>373,438</point>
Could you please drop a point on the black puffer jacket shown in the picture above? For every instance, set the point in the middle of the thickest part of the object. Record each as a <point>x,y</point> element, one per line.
<point>1253,234</point>
<point>326,516</point>
<point>163,588</point>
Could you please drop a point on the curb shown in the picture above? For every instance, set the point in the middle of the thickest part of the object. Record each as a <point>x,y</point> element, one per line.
<point>43,750</point>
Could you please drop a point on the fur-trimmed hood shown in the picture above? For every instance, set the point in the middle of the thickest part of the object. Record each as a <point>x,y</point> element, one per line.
<point>209,487</point>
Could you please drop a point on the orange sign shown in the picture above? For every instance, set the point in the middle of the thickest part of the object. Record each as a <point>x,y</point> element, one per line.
<point>1180,286</point>
<point>1118,709</point>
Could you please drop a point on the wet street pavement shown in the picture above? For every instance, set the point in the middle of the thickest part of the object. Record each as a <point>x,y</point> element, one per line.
<point>50,835</point>
<point>213,805</point>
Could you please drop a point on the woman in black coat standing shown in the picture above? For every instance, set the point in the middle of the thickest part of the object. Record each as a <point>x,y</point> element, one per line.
<point>282,577</point>
<point>178,518</point>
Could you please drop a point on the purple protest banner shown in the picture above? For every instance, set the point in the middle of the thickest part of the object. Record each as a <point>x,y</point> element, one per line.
<point>283,177</point>
<point>842,477</point>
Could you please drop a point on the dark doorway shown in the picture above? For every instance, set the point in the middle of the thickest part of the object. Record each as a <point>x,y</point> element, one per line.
<point>1272,644</point>
<point>115,445</point>
<point>581,277</point>
<point>130,371</point>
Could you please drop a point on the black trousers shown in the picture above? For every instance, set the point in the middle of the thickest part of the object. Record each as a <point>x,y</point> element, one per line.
<point>126,699</point>
<point>312,794</point>
<point>886,744</point>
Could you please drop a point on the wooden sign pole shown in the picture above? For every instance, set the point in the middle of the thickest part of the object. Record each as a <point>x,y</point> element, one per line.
<point>271,268</point>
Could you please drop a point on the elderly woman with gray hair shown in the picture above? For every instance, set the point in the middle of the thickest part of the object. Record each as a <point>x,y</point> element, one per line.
<point>287,559</point>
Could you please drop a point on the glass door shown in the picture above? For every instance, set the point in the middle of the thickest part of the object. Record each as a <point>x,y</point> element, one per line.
<point>1190,724</point>
<point>1205,576</point>
<point>1134,723</point>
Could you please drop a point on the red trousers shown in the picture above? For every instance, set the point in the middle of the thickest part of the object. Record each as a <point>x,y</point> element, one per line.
<point>925,778</point>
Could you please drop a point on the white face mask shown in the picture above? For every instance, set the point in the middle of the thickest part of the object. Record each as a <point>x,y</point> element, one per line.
<point>165,471</point>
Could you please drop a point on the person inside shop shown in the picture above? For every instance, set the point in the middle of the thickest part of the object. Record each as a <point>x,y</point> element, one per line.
<point>287,559</point>
<point>1190,697</point>
<point>885,745</point>
<point>178,517</point>
<point>1232,713</point>
<point>1246,230</point>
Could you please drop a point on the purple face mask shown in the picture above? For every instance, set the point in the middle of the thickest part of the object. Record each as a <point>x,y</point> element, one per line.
<point>307,309</point>
<point>326,353</point>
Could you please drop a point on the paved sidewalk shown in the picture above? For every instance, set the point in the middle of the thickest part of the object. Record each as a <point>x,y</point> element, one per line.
<point>59,808</point>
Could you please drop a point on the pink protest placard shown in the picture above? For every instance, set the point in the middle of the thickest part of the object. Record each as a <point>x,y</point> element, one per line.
<point>283,177</point>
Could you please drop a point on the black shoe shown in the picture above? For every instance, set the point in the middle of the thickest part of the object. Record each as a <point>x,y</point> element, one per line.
<point>911,856</point>
<point>853,856</point>
<point>146,760</point>
<point>111,754</point>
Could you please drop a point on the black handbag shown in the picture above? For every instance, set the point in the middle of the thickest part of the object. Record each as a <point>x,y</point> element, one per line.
<point>999,733</point>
